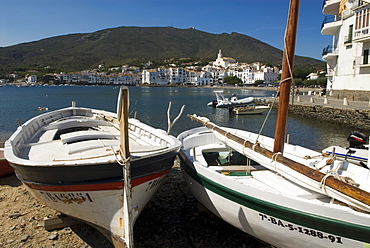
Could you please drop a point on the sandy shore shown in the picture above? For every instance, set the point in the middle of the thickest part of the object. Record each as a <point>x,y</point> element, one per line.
<point>173,218</point>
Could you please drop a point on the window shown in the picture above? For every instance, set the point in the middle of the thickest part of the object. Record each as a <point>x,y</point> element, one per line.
<point>362,19</point>
<point>366,57</point>
<point>350,33</point>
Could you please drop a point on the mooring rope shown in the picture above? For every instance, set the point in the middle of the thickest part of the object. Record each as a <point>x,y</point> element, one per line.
<point>278,91</point>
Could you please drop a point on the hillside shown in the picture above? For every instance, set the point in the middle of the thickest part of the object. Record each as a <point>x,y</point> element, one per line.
<point>117,46</point>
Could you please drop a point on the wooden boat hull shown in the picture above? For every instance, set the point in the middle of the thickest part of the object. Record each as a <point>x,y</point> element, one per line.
<point>5,168</point>
<point>96,200</point>
<point>69,160</point>
<point>282,220</point>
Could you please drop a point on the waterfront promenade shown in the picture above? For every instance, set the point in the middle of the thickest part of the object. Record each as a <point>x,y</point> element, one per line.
<point>331,101</point>
<point>305,99</point>
<point>343,112</point>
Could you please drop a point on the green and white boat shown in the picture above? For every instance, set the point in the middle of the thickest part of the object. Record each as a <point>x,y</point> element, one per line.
<point>265,204</point>
<point>282,194</point>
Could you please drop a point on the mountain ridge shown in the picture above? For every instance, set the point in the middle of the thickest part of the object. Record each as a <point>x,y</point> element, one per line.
<point>124,45</point>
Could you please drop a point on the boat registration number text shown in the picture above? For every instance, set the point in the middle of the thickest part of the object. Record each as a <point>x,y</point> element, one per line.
<point>67,197</point>
<point>309,232</point>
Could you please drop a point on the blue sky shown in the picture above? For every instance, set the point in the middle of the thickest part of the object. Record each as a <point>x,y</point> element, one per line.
<point>30,20</point>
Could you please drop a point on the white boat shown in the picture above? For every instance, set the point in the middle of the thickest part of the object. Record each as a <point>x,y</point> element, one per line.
<point>250,109</point>
<point>224,102</point>
<point>97,166</point>
<point>282,194</point>
<point>357,152</point>
<point>241,190</point>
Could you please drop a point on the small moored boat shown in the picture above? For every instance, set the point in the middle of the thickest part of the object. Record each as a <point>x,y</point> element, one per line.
<point>250,109</point>
<point>357,152</point>
<point>224,102</point>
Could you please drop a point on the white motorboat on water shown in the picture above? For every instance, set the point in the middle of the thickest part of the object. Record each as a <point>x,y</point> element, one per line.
<point>357,152</point>
<point>282,194</point>
<point>224,102</point>
<point>99,167</point>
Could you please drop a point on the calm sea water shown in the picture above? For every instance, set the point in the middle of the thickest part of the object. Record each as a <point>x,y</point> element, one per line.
<point>150,105</point>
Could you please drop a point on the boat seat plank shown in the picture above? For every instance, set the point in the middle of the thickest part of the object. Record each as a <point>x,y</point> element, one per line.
<point>97,144</point>
<point>68,123</point>
<point>83,144</point>
<point>85,135</point>
<point>90,144</point>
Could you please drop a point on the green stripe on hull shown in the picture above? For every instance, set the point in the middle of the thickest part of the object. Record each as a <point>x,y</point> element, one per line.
<point>331,226</point>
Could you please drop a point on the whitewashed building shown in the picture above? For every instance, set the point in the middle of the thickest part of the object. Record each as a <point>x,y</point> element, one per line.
<point>348,65</point>
<point>31,79</point>
<point>223,61</point>
<point>214,73</point>
<point>266,74</point>
<point>177,75</point>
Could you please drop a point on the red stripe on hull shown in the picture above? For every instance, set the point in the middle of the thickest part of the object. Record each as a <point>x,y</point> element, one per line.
<point>95,187</point>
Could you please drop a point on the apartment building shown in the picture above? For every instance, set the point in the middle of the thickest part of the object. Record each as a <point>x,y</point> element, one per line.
<point>348,65</point>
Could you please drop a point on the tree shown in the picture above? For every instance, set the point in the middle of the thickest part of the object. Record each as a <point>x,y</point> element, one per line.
<point>258,82</point>
<point>298,81</point>
<point>232,80</point>
<point>322,81</point>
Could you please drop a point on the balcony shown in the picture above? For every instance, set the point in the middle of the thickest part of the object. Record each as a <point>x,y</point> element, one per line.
<point>361,35</point>
<point>330,26</point>
<point>329,53</point>
<point>331,7</point>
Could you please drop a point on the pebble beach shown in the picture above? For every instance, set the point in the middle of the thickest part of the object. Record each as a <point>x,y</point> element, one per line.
<point>173,218</point>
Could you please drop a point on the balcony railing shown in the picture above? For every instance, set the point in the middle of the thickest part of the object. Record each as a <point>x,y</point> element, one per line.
<point>362,34</point>
<point>358,3</point>
<point>329,49</point>
<point>327,19</point>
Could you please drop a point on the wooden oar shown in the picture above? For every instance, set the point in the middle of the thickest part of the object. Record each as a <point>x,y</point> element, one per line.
<point>125,153</point>
<point>335,184</point>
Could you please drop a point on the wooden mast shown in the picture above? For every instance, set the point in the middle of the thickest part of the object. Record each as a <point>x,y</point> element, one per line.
<point>346,189</point>
<point>286,76</point>
<point>125,153</point>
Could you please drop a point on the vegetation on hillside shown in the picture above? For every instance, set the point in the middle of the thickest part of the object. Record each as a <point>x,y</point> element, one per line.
<point>161,46</point>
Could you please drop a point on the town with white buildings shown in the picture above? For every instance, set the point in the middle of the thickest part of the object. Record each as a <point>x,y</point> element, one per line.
<point>348,64</point>
<point>347,58</point>
<point>212,74</point>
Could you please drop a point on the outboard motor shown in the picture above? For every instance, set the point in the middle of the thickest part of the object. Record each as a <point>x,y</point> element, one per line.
<point>357,140</point>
